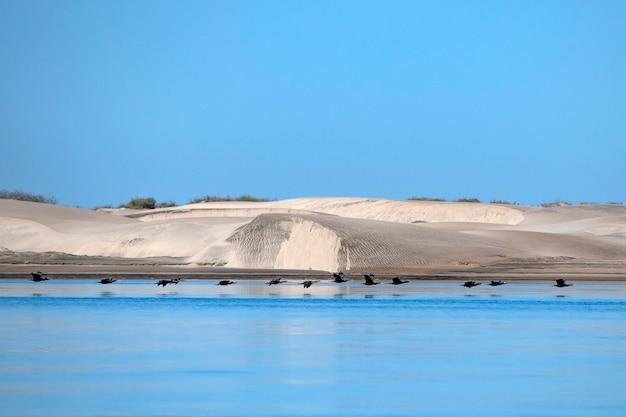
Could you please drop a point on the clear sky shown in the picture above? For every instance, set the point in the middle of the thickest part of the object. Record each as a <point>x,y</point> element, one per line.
<point>519,100</point>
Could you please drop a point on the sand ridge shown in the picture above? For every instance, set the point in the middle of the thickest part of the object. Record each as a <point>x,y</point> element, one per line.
<point>330,234</point>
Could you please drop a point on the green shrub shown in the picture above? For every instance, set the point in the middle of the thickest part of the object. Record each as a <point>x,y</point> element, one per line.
<point>504,202</point>
<point>467,200</point>
<point>216,198</point>
<point>25,196</point>
<point>557,203</point>
<point>140,203</point>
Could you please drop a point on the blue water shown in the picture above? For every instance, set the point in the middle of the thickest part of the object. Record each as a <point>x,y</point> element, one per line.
<point>77,348</point>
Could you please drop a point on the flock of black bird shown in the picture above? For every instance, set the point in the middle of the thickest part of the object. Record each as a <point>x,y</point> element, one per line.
<point>336,277</point>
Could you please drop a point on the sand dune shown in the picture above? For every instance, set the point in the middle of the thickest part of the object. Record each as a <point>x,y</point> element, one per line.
<point>354,234</point>
<point>361,208</point>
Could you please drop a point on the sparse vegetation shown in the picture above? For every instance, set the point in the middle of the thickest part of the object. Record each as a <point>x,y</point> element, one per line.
<point>140,203</point>
<point>418,198</point>
<point>105,206</point>
<point>615,203</point>
<point>215,198</point>
<point>467,200</point>
<point>557,203</point>
<point>504,202</point>
<point>25,196</point>
<point>165,204</point>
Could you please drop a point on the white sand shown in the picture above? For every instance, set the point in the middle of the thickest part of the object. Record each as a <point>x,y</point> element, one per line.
<point>331,234</point>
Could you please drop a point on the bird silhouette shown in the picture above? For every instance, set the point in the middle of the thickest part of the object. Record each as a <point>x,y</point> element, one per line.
<point>275,281</point>
<point>307,284</point>
<point>225,282</point>
<point>369,279</point>
<point>338,278</point>
<point>38,276</point>
<point>107,280</point>
<point>496,283</point>
<point>397,281</point>
<point>561,283</point>
<point>164,282</point>
<point>470,284</point>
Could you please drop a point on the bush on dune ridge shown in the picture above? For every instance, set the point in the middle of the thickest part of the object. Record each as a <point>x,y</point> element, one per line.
<point>557,203</point>
<point>216,198</point>
<point>26,196</point>
<point>140,203</point>
<point>148,203</point>
<point>504,202</point>
<point>467,200</point>
<point>419,198</point>
<point>462,200</point>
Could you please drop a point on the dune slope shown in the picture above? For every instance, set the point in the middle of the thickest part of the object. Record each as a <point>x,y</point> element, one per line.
<point>330,234</point>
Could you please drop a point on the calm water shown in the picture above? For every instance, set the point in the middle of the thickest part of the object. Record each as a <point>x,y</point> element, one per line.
<point>78,348</point>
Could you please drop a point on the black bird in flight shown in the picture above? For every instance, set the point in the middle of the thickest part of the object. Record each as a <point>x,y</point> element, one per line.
<point>275,281</point>
<point>164,282</point>
<point>307,284</point>
<point>496,283</point>
<point>561,283</point>
<point>338,278</point>
<point>225,282</point>
<point>369,280</point>
<point>107,280</point>
<point>470,284</point>
<point>397,281</point>
<point>38,276</point>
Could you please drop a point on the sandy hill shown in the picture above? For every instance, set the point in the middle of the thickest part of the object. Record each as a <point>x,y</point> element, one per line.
<point>355,234</point>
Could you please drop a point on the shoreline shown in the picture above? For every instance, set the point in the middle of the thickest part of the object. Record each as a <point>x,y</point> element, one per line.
<point>143,272</point>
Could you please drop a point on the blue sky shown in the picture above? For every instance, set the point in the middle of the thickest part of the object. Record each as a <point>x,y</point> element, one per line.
<point>104,100</point>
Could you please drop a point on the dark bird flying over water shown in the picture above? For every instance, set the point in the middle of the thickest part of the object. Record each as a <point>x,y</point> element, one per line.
<point>496,283</point>
<point>275,281</point>
<point>369,280</point>
<point>398,281</point>
<point>470,284</point>
<point>225,282</point>
<point>107,280</point>
<point>164,282</point>
<point>38,276</point>
<point>561,283</point>
<point>307,284</point>
<point>338,278</point>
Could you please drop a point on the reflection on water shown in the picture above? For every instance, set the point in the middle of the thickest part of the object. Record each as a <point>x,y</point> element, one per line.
<point>432,349</point>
